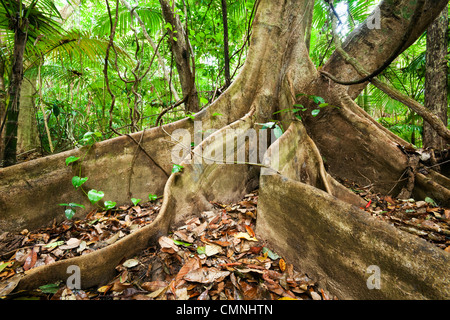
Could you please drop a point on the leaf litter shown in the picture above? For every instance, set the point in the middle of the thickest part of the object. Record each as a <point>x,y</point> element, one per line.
<point>424,218</point>
<point>214,256</point>
<point>23,251</point>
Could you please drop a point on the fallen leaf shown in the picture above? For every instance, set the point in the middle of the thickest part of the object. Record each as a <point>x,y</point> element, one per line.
<point>287,298</point>
<point>250,231</point>
<point>70,244</point>
<point>154,285</point>
<point>272,255</point>
<point>200,229</point>
<point>166,242</point>
<point>206,275</point>
<point>130,263</point>
<point>181,294</point>
<point>255,250</point>
<point>211,249</point>
<point>282,265</point>
<point>156,293</point>
<point>191,264</point>
<point>30,261</point>
<point>112,239</point>
<point>104,289</point>
<point>244,235</point>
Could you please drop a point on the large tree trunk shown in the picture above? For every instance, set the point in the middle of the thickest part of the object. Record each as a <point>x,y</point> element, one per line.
<point>436,79</point>
<point>303,211</point>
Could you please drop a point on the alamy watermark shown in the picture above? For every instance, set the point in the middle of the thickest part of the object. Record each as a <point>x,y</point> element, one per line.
<point>229,146</point>
<point>374,20</point>
<point>374,280</point>
<point>73,282</point>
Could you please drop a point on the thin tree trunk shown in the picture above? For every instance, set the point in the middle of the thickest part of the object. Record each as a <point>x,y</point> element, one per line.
<point>2,101</point>
<point>27,132</point>
<point>154,46</point>
<point>20,39</point>
<point>226,53</point>
<point>182,54</point>
<point>436,79</point>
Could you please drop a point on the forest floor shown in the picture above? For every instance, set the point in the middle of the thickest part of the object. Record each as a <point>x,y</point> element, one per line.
<point>214,256</point>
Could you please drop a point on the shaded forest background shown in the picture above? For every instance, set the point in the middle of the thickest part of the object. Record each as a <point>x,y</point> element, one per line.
<point>69,95</point>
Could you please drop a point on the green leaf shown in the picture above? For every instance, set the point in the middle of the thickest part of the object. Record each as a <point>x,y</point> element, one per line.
<point>168,26</point>
<point>51,288</point>
<point>430,201</point>
<point>216,114</point>
<point>282,110</point>
<point>4,265</point>
<point>152,197</point>
<point>71,159</point>
<point>272,255</point>
<point>110,204</point>
<point>201,250</point>
<point>69,213</point>
<point>267,125</point>
<point>177,168</point>
<point>191,116</point>
<point>72,205</point>
<point>318,99</point>
<point>181,243</point>
<point>54,244</point>
<point>135,201</point>
<point>95,196</point>
<point>77,181</point>
<point>323,105</point>
<point>315,112</point>
<point>278,132</point>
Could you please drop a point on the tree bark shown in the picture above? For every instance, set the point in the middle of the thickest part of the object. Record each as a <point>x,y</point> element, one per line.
<point>20,39</point>
<point>182,53</point>
<point>27,132</point>
<point>2,103</point>
<point>436,80</point>
<point>226,54</point>
<point>302,210</point>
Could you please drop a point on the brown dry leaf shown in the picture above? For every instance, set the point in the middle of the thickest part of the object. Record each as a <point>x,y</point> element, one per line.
<point>182,234</point>
<point>206,275</point>
<point>212,249</point>
<point>31,259</point>
<point>154,285</point>
<point>200,229</point>
<point>389,199</point>
<point>250,231</point>
<point>246,236</point>
<point>250,291</point>
<point>447,214</point>
<point>192,264</point>
<point>247,204</point>
<point>120,286</point>
<point>167,243</point>
<point>181,294</point>
<point>70,244</point>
